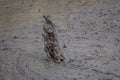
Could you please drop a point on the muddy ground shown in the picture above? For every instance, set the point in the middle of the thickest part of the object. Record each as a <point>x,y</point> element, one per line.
<point>88,34</point>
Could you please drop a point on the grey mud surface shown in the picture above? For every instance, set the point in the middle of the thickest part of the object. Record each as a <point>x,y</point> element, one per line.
<point>88,33</point>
